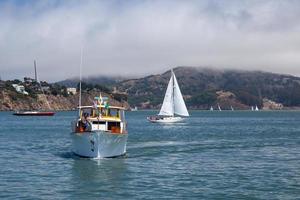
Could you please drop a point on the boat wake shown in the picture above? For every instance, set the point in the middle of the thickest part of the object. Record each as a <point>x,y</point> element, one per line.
<point>160,144</point>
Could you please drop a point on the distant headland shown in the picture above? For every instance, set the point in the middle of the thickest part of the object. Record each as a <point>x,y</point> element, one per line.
<point>202,88</point>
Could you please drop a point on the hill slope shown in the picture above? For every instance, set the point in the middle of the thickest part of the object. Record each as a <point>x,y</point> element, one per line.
<point>100,80</point>
<point>33,98</point>
<point>203,87</point>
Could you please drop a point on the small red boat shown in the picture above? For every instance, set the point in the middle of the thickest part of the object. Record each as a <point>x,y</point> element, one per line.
<point>34,113</point>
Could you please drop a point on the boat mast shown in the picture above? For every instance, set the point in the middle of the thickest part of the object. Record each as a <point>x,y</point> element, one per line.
<point>36,80</point>
<point>172,75</point>
<point>80,77</point>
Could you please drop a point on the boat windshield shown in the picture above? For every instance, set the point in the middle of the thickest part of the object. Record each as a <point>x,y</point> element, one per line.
<point>101,112</point>
<point>86,112</point>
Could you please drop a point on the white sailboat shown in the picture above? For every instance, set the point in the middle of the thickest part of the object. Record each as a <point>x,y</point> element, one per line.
<point>256,108</point>
<point>211,108</point>
<point>219,108</point>
<point>173,106</point>
<point>252,108</point>
<point>134,109</point>
<point>231,108</point>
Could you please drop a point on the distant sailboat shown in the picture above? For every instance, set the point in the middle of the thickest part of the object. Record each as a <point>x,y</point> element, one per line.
<point>252,108</point>
<point>231,108</point>
<point>219,108</point>
<point>256,108</point>
<point>173,104</point>
<point>134,109</point>
<point>211,108</point>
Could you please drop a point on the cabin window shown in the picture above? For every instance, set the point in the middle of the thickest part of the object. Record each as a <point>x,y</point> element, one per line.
<point>99,122</point>
<point>113,124</point>
<point>113,113</point>
<point>86,112</point>
<point>96,112</point>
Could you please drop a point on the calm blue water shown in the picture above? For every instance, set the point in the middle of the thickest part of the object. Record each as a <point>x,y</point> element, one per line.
<point>213,155</point>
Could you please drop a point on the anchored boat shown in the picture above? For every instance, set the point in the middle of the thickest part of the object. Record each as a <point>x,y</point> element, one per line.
<point>173,104</point>
<point>99,131</point>
<point>33,113</point>
<point>36,112</point>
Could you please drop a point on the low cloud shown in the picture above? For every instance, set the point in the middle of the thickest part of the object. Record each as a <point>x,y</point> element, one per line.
<point>142,37</point>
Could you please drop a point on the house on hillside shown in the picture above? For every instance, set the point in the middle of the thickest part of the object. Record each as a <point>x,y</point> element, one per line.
<point>20,89</point>
<point>71,91</point>
<point>116,91</point>
<point>46,88</point>
<point>32,84</point>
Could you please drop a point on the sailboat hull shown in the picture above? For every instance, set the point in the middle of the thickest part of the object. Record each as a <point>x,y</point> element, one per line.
<point>34,113</point>
<point>99,144</point>
<point>173,104</point>
<point>165,119</point>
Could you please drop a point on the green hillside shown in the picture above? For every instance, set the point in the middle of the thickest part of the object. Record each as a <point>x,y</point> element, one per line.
<point>203,87</point>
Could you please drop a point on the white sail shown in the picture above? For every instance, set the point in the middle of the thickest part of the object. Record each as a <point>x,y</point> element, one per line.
<point>179,105</point>
<point>219,108</point>
<point>167,107</point>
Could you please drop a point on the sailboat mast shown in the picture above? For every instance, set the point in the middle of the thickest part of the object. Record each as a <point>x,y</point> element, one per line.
<point>36,80</point>
<point>172,73</point>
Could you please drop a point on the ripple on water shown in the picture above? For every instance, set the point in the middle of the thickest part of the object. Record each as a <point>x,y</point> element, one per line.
<point>211,155</point>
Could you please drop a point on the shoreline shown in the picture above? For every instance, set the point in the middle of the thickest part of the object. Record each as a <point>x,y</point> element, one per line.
<point>146,110</point>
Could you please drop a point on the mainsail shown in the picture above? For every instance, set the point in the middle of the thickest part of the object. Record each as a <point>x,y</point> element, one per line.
<point>173,101</point>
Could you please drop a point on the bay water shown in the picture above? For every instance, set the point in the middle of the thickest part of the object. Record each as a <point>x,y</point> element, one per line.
<point>211,155</point>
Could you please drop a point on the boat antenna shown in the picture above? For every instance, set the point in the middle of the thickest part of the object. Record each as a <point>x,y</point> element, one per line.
<point>80,77</point>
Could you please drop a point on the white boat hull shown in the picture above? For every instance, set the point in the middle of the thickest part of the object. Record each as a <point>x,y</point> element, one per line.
<point>166,120</point>
<point>99,144</point>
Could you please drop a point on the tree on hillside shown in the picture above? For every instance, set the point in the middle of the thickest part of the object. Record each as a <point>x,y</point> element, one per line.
<point>88,87</point>
<point>203,98</point>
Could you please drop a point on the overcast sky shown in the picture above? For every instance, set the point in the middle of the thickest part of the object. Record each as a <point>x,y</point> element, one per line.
<point>145,37</point>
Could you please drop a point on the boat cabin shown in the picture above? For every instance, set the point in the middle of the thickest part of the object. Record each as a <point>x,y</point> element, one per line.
<point>103,118</point>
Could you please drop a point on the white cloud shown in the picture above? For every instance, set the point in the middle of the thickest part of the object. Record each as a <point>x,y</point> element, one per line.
<point>141,37</point>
